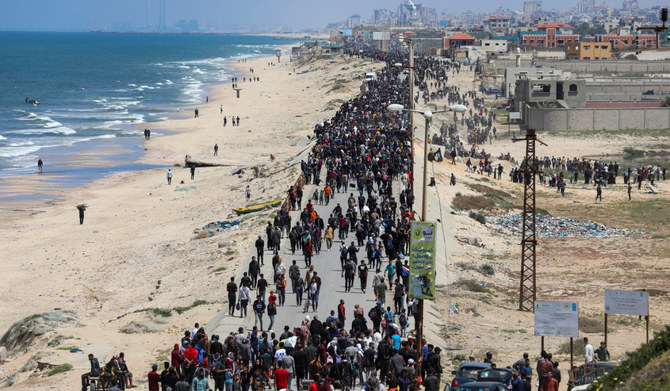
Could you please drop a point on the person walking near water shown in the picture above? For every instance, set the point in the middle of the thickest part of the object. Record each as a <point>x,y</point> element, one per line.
<point>82,209</point>
<point>216,149</point>
<point>40,163</point>
<point>169,176</point>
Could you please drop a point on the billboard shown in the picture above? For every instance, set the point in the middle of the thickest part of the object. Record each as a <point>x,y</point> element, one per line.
<point>556,319</point>
<point>626,302</point>
<point>422,260</point>
<point>381,35</point>
<point>346,32</point>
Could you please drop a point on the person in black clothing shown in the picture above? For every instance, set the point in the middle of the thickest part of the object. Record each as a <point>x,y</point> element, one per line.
<point>254,271</point>
<point>245,281</point>
<point>232,296</point>
<point>262,287</point>
<point>384,353</point>
<point>192,171</point>
<point>260,244</point>
<point>94,372</point>
<point>215,345</point>
<point>348,273</point>
<point>363,275</point>
<point>82,209</point>
<point>301,365</point>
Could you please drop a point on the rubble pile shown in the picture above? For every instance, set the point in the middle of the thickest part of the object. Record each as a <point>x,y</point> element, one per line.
<point>560,227</point>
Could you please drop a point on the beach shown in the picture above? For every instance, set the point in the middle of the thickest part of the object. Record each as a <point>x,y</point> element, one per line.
<point>140,270</point>
<point>135,250</point>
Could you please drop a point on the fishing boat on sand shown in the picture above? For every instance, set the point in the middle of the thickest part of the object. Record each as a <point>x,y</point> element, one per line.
<point>257,207</point>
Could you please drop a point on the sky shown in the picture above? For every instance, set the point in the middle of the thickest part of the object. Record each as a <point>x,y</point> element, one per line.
<point>249,15</point>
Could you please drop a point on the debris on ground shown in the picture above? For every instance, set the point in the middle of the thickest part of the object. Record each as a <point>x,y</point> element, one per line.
<point>560,227</point>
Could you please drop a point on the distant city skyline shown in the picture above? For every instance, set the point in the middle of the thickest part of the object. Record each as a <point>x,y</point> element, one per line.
<point>258,15</point>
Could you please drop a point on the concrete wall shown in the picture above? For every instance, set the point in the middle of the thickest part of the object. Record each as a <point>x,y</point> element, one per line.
<point>596,119</point>
<point>585,66</point>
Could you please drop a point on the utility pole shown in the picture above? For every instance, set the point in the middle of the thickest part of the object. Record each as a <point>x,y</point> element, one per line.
<point>527,286</point>
<point>411,107</point>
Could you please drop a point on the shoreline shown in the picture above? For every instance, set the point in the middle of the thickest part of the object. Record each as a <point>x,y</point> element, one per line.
<point>130,155</point>
<point>137,248</point>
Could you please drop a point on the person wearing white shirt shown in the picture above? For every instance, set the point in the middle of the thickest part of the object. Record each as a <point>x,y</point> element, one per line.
<point>588,351</point>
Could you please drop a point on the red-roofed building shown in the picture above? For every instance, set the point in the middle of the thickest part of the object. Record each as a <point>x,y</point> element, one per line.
<point>620,41</point>
<point>459,39</point>
<point>497,24</point>
<point>550,35</point>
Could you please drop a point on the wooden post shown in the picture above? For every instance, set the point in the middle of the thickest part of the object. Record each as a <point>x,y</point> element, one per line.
<point>647,319</point>
<point>571,354</point>
<point>542,342</point>
<point>605,328</point>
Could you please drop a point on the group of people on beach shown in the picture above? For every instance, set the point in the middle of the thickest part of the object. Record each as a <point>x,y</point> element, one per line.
<point>363,151</point>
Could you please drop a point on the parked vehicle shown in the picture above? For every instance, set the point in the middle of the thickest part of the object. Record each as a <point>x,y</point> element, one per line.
<point>467,373</point>
<point>484,386</point>
<point>499,375</point>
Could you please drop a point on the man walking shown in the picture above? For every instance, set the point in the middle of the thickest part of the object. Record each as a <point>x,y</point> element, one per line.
<point>259,309</point>
<point>232,296</point>
<point>260,244</point>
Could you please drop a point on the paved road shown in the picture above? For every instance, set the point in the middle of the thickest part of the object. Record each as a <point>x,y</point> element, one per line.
<point>326,264</point>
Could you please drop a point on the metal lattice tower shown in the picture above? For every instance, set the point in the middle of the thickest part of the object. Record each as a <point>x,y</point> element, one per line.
<point>527,291</point>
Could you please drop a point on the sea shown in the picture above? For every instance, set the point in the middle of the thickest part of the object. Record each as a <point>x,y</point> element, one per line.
<point>94,88</point>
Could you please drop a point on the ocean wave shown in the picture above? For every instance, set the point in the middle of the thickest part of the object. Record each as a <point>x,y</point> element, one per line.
<point>142,88</point>
<point>21,144</point>
<point>17,151</point>
<point>167,81</point>
<point>55,130</point>
<point>2,138</point>
<point>193,91</point>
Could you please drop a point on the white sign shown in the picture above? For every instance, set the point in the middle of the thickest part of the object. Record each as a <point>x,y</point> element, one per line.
<point>515,115</point>
<point>626,302</point>
<point>557,319</point>
<point>381,35</point>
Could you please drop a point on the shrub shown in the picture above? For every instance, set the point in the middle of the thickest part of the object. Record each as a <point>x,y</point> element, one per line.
<point>487,269</point>
<point>468,202</point>
<point>60,369</point>
<point>478,217</point>
<point>164,312</point>
<point>472,286</point>
<point>636,360</point>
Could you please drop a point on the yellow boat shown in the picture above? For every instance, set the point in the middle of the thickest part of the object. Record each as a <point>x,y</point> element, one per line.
<point>256,208</point>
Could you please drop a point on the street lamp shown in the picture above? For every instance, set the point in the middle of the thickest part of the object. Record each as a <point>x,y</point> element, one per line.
<point>427,115</point>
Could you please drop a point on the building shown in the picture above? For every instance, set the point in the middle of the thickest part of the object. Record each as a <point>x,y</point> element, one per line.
<point>550,35</point>
<point>584,6</point>
<point>531,7</point>
<point>496,25</point>
<point>617,41</point>
<point>588,51</point>
<point>494,45</point>
<point>457,40</point>
<point>382,16</point>
<point>630,5</point>
<point>408,12</point>
<point>354,21</point>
